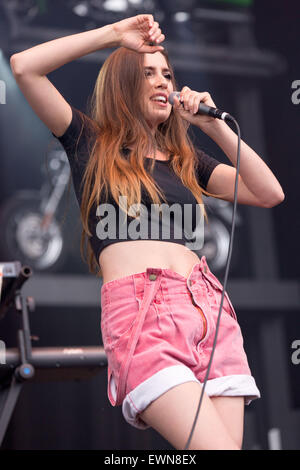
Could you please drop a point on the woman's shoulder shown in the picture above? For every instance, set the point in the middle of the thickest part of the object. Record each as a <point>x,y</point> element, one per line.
<point>81,129</point>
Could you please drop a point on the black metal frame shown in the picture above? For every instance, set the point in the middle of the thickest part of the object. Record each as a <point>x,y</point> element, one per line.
<point>25,363</point>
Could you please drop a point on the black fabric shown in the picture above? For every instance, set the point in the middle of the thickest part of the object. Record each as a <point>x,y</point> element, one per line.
<point>77,142</point>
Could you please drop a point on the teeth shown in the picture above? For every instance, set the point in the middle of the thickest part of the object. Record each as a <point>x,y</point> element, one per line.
<point>159,98</point>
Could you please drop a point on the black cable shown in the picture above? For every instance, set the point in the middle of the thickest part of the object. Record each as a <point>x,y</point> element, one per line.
<point>225,278</point>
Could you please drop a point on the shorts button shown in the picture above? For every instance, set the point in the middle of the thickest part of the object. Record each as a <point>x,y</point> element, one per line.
<point>152,277</point>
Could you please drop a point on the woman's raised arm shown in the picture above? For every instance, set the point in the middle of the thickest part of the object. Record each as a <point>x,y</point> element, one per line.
<point>31,66</point>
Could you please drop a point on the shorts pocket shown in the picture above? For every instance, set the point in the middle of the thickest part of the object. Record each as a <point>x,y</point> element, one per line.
<point>117,322</point>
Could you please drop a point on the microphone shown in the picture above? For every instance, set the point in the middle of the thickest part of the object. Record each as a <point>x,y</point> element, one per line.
<point>204,109</point>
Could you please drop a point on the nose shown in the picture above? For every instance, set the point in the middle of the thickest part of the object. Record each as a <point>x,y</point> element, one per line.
<point>162,86</point>
<point>162,82</point>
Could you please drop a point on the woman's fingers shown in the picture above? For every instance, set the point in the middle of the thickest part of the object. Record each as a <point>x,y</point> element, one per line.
<point>151,32</point>
<point>154,37</point>
<point>196,102</point>
<point>157,36</point>
<point>145,21</point>
<point>158,40</point>
<point>192,99</point>
<point>154,29</point>
<point>140,33</point>
<point>176,102</point>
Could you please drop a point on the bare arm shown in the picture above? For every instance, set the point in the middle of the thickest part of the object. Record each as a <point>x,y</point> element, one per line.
<point>31,66</point>
<point>257,185</point>
<point>44,58</point>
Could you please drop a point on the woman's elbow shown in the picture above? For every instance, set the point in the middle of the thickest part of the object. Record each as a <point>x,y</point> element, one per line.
<point>276,199</point>
<point>16,65</point>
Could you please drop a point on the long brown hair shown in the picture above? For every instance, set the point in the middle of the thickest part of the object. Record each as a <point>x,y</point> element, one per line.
<point>118,121</point>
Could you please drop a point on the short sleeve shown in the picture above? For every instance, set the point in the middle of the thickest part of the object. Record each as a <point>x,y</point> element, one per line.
<point>75,138</point>
<point>204,168</point>
<point>76,142</point>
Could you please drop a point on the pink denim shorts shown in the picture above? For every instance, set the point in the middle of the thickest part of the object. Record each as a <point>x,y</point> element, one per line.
<point>158,330</point>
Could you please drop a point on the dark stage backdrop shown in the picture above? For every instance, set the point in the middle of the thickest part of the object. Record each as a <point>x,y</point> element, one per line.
<point>277,30</point>
<point>78,415</point>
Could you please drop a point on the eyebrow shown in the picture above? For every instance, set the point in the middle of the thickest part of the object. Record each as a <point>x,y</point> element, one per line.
<point>154,68</point>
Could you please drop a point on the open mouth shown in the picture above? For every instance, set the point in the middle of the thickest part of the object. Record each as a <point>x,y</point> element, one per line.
<point>160,100</point>
<point>160,103</point>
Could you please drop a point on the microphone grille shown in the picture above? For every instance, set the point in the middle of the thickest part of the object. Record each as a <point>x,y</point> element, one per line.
<point>172,96</point>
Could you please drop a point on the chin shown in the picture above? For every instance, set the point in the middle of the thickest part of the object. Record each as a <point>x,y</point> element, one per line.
<point>156,121</point>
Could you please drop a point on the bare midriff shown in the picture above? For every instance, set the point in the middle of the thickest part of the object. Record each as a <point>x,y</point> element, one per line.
<point>135,256</point>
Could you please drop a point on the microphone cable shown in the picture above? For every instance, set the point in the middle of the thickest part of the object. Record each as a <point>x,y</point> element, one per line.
<point>229,118</point>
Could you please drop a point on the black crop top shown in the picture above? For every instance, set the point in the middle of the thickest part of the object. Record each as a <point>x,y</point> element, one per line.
<point>109,224</point>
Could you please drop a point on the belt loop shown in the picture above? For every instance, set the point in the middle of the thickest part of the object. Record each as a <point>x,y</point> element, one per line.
<point>189,282</point>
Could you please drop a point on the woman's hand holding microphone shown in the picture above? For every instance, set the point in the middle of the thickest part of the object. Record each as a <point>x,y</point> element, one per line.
<point>188,104</point>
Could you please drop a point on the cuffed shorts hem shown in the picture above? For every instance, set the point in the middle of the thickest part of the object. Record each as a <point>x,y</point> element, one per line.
<point>138,399</point>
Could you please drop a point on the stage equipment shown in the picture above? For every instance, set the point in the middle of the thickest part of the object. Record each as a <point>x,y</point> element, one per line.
<point>24,363</point>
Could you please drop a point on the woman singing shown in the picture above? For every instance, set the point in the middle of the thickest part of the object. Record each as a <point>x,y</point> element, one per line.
<point>159,300</point>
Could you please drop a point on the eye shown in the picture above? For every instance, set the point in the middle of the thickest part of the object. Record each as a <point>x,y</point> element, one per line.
<point>148,72</point>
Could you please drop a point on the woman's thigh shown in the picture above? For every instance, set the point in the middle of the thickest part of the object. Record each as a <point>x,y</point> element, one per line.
<point>231,411</point>
<point>172,416</point>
